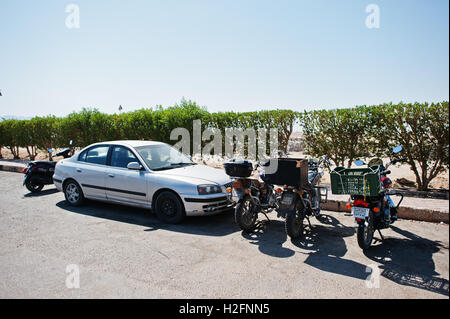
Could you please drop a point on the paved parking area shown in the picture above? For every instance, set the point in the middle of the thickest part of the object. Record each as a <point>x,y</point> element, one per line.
<point>124,252</point>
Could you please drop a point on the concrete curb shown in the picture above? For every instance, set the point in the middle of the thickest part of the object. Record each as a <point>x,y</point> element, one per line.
<point>12,168</point>
<point>426,215</point>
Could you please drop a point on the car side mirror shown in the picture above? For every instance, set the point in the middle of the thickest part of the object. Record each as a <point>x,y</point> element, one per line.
<point>134,166</point>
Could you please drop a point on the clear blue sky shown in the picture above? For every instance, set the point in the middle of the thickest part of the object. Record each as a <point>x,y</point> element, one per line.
<point>226,55</point>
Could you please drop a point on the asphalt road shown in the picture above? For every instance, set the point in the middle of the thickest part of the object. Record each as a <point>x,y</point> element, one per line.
<point>122,252</point>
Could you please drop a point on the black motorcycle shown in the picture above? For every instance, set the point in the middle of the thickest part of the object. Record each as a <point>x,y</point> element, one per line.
<point>301,195</point>
<point>40,173</point>
<point>297,181</point>
<point>252,195</point>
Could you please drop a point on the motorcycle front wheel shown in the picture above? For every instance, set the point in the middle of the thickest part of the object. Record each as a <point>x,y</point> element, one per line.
<point>365,233</point>
<point>246,215</point>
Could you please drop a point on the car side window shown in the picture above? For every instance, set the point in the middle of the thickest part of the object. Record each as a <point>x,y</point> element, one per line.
<point>82,156</point>
<point>122,156</point>
<point>95,155</point>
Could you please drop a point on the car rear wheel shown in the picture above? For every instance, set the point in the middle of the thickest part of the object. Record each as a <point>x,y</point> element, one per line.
<point>73,193</point>
<point>168,208</point>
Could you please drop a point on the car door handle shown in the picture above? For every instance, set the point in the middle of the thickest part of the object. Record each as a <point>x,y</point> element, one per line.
<point>111,175</point>
<point>78,170</point>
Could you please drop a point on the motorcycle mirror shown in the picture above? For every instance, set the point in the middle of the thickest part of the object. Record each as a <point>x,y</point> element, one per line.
<point>359,163</point>
<point>325,159</point>
<point>397,149</point>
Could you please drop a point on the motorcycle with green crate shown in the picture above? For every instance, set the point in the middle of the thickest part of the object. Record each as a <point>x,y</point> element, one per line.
<point>370,195</point>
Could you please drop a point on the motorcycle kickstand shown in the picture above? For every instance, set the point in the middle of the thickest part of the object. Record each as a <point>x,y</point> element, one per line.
<point>382,238</point>
<point>307,218</point>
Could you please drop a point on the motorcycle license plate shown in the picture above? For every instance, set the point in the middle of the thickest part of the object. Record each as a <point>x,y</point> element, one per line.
<point>360,212</point>
<point>287,199</point>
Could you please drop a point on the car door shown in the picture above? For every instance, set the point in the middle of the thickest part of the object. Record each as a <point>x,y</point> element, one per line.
<point>123,184</point>
<point>90,171</point>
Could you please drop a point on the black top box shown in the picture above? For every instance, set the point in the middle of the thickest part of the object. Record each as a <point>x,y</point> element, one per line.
<point>238,168</point>
<point>290,172</point>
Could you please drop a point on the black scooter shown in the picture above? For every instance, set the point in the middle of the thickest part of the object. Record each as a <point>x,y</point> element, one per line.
<point>40,173</point>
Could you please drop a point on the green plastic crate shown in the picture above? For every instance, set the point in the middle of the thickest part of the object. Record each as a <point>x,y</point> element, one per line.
<point>356,181</point>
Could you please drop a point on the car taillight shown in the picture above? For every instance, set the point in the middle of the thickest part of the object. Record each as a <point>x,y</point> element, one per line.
<point>236,185</point>
<point>360,203</point>
<point>24,170</point>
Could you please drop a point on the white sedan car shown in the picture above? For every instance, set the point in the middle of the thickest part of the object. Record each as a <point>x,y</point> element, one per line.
<point>146,174</point>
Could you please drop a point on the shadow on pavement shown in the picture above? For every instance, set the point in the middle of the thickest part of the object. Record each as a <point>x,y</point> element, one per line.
<point>270,236</point>
<point>41,193</point>
<point>216,225</point>
<point>326,248</point>
<point>324,243</point>
<point>409,261</point>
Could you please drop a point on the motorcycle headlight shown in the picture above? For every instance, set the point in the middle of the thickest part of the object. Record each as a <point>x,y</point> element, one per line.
<point>209,189</point>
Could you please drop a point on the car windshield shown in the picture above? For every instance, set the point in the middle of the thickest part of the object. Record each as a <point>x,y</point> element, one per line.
<point>162,156</point>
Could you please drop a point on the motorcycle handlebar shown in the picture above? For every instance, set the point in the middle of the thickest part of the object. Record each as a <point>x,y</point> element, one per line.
<point>65,152</point>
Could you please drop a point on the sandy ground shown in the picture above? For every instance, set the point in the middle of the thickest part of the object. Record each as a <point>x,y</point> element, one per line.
<point>398,171</point>
<point>23,154</point>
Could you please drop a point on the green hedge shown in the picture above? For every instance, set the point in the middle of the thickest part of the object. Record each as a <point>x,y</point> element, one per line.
<point>365,131</point>
<point>90,125</point>
<point>342,134</point>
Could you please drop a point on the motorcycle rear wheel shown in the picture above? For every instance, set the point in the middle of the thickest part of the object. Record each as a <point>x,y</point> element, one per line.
<point>34,186</point>
<point>365,234</point>
<point>246,215</point>
<point>294,221</point>
<point>294,225</point>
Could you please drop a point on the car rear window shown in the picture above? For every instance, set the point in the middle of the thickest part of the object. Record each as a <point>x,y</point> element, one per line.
<point>95,155</point>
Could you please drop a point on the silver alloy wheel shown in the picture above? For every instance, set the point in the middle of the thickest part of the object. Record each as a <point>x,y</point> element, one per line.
<point>73,193</point>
